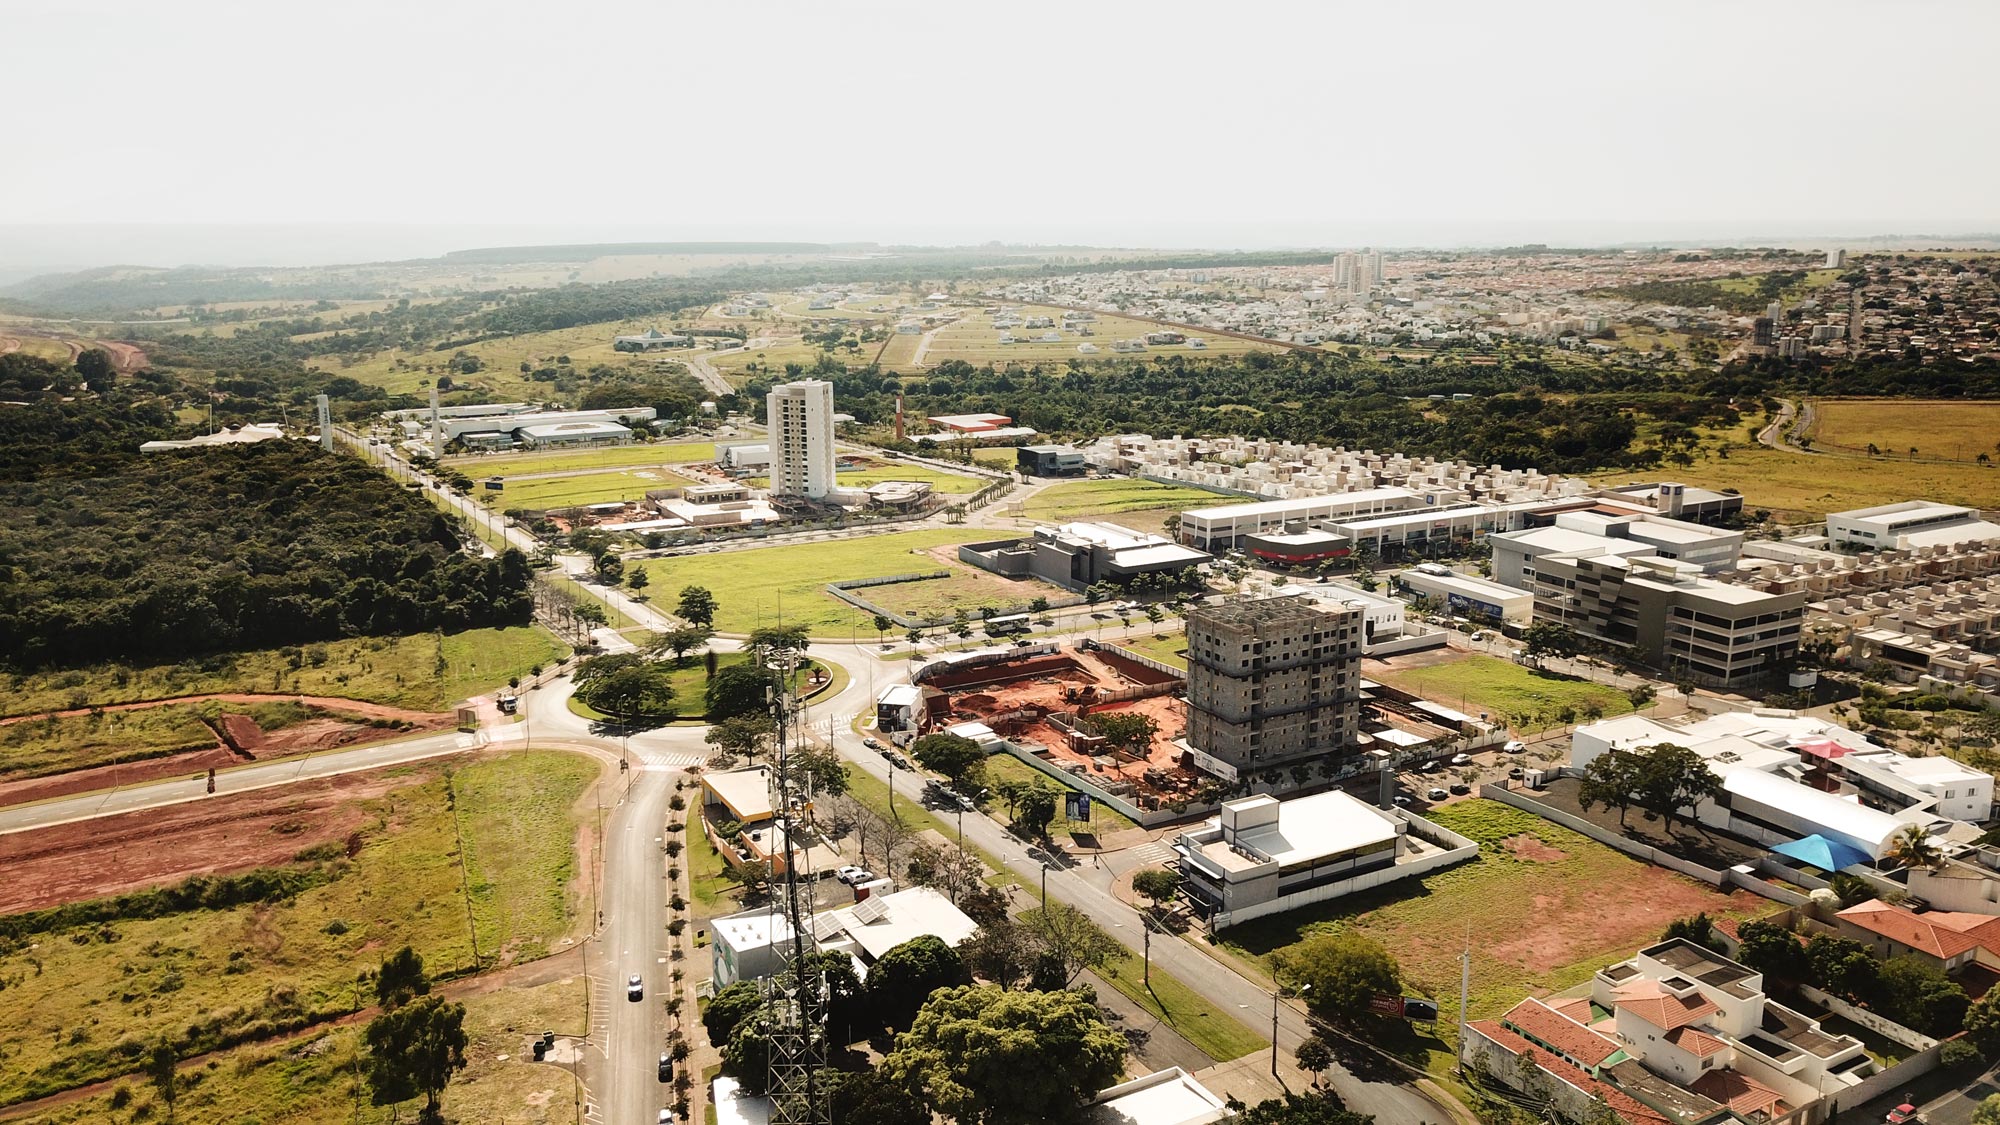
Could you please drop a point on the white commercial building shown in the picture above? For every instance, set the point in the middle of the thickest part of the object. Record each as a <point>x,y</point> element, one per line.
<point>1466,593</point>
<point>1908,525</point>
<point>1165,1097</point>
<point>757,943</point>
<point>800,419</point>
<point>1223,527</point>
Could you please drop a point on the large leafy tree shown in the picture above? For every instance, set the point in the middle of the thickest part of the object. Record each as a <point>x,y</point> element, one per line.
<point>775,642</point>
<point>985,1056</point>
<point>730,1007</point>
<point>1339,972</point>
<point>1982,1024</point>
<point>629,688</point>
<point>952,755</point>
<point>415,1049</point>
<point>1065,941</point>
<point>1918,995</point>
<point>696,606</point>
<point>1611,780</point>
<point>738,689</point>
<point>903,977</point>
<point>1672,778</point>
<point>868,1097</point>
<point>401,979</point>
<point>1772,950</point>
<point>1320,1108</point>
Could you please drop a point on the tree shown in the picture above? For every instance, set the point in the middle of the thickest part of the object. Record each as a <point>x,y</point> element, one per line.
<point>773,643</point>
<point>1035,805</point>
<point>915,637</point>
<point>696,607</point>
<point>906,974</point>
<point>1158,884</point>
<point>868,1097</point>
<point>1982,1024</point>
<point>949,754</point>
<point>1699,929</point>
<point>738,689</point>
<point>590,613</point>
<point>610,568</point>
<point>1340,972</point>
<point>1320,1108</point>
<point>1912,848</point>
<point>1772,950</point>
<point>401,979</point>
<point>1612,780</point>
<point>1841,965</point>
<point>1918,995</point>
<point>1314,1056</point>
<point>747,1055</point>
<point>637,580</point>
<point>1065,941</point>
<point>634,691</point>
<point>160,1064</point>
<point>679,641</point>
<point>730,1007</point>
<point>1550,638</point>
<point>94,365</point>
<point>820,768</point>
<point>1129,731</point>
<point>1672,778</point>
<point>1960,1057</point>
<point>1988,1112</point>
<point>415,1049</point>
<point>951,871</point>
<point>882,623</point>
<point>747,735</point>
<point>985,1056</point>
<point>998,951</point>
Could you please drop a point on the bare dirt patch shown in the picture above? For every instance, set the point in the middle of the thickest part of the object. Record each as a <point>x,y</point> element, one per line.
<point>1533,850</point>
<point>131,851</point>
<point>1578,920</point>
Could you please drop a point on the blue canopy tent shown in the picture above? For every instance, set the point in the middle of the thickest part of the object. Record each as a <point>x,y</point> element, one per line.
<point>1825,854</point>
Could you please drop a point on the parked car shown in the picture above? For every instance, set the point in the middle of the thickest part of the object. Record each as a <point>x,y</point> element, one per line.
<point>666,1068</point>
<point>1517,773</point>
<point>1903,1113</point>
<point>635,989</point>
<point>667,1118</point>
<point>1514,746</point>
<point>854,876</point>
<point>1403,799</point>
<point>1461,759</point>
<point>871,744</point>
<point>1436,795</point>
<point>1461,789</point>
<point>897,760</point>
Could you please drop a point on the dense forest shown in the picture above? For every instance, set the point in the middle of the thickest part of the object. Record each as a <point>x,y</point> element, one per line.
<point>176,555</point>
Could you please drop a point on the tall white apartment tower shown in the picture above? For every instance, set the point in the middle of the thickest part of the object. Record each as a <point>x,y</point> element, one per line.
<point>1836,259</point>
<point>1374,268</point>
<point>800,417</point>
<point>1343,271</point>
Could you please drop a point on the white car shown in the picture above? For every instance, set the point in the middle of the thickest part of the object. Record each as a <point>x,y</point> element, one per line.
<point>635,988</point>
<point>1514,746</point>
<point>1461,759</point>
<point>854,876</point>
<point>667,1118</point>
<point>1436,795</point>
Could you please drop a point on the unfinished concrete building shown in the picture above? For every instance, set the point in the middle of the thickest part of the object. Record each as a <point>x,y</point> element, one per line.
<point>1274,689</point>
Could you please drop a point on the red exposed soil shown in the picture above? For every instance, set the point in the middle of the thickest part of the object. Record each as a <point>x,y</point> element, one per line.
<point>1623,915</point>
<point>1529,848</point>
<point>233,832</point>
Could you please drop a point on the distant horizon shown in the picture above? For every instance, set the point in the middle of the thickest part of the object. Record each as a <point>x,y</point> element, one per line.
<point>28,250</point>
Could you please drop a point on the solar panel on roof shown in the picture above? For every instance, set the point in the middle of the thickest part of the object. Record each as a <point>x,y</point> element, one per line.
<point>825,926</point>
<point>870,910</point>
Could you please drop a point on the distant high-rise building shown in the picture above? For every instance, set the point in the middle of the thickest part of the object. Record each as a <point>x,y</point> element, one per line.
<point>1374,268</point>
<point>800,418</point>
<point>1836,259</point>
<point>1776,311</point>
<point>1273,686</point>
<point>1761,332</point>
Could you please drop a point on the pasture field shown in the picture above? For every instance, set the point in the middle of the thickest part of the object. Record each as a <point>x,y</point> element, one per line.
<point>1141,505</point>
<point>545,493</point>
<point>775,354</point>
<point>1527,699</point>
<point>1541,909</point>
<point>1802,486</point>
<point>974,340</point>
<point>500,374</point>
<point>512,465</point>
<point>1958,430</point>
<point>85,996</point>
<point>312,1080</point>
<point>751,585</point>
<point>424,671</point>
<point>899,352</point>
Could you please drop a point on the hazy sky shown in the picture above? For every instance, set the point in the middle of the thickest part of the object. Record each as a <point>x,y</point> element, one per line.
<point>1164,124</point>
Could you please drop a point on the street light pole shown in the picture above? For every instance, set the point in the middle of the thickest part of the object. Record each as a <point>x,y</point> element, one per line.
<point>1045,884</point>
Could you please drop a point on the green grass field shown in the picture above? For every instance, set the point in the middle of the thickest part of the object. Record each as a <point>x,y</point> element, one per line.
<point>996,456</point>
<point>501,359</point>
<point>47,746</point>
<point>1960,431</point>
<point>1535,919</point>
<point>974,340</point>
<point>749,585</point>
<point>511,465</point>
<point>1213,1032</point>
<point>547,493</point>
<point>1170,648</point>
<point>398,671</point>
<point>1006,767</point>
<point>1802,486</point>
<point>1529,699</point>
<point>80,1002</point>
<point>1088,498</point>
<point>967,589</point>
<point>880,471</point>
<point>311,1081</point>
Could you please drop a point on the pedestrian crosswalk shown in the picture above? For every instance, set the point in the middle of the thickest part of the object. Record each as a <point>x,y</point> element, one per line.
<point>1159,851</point>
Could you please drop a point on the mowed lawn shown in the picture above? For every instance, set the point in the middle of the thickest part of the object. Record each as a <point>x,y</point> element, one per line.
<point>1525,698</point>
<point>1167,648</point>
<point>1089,498</point>
<point>423,671</point>
<point>967,589</point>
<point>750,584</point>
<point>548,493</point>
<point>83,999</point>
<point>1958,430</point>
<point>512,465</point>
<point>879,471</point>
<point>1541,909</point>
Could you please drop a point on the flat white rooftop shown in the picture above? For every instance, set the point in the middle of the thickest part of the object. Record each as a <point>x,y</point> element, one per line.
<point>901,916</point>
<point>1363,498</point>
<point>1310,828</point>
<point>1167,1097</point>
<point>1561,540</point>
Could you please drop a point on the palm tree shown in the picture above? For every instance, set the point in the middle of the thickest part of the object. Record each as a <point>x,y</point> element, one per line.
<point>1912,848</point>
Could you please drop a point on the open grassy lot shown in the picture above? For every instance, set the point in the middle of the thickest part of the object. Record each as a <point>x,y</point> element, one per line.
<point>1006,767</point>
<point>54,745</point>
<point>1957,430</point>
<point>1091,498</point>
<point>879,471</point>
<point>967,589</point>
<point>974,340</point>
<point>544,493</point>
<point>1541,909</point>
<point>1801,485</point>
<point>1474,683</point>
<point>750,584</point>
<point>1167,648</point>
<point>84,999</point>
<point>501,359</point>
<point>424,671</point>
<point>513,465</point>
<point>996,456</point>
<point>775,354</point>
<point>312,1080</point>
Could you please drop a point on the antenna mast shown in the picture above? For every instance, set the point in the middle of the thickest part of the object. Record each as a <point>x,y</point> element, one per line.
<point>798,1022</point>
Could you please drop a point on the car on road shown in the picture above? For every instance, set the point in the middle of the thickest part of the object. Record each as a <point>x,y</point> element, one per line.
<point>854,876</point>
<point>1461,789</point>
<point>1903,1113</point>
<point>1461,759</point>
<point>635,989</point>
<point>897,760</point>
<point>667,1118</point>
<point>1436,795</point>
<point>1514,746</point>
<point>871,744</point>
<point>666,1068</point>
<point>1403,799</point>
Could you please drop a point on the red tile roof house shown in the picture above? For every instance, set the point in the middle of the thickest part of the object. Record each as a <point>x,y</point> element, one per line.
<point>1947,939</point>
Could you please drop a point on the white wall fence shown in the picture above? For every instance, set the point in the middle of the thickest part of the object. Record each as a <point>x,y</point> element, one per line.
<point>1141,659</point>
<point>1886,1080</point>
<point>1454,848</point>
<point>1879,1024</point>
<point>1082,783</point>
<point>1632,848</point>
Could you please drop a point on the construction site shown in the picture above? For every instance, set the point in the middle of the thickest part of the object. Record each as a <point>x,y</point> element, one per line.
<point>1045,698</point>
